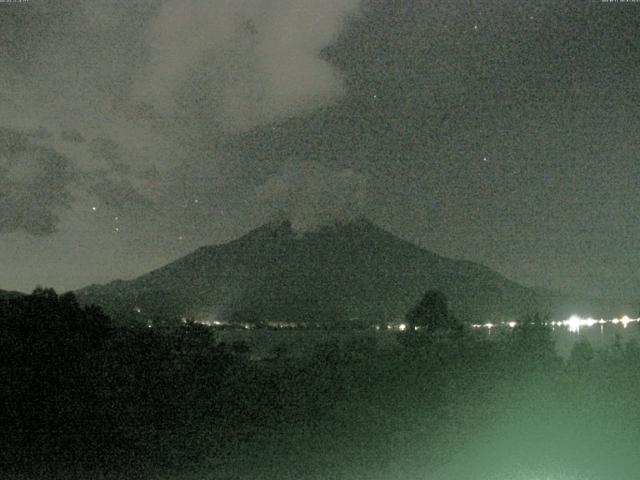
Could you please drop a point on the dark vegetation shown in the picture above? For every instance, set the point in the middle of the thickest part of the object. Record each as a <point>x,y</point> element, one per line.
<point>85,399</point>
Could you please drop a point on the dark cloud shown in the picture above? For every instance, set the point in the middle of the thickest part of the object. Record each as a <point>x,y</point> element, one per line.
<point>34,184</point>
<point>105,149</point>
<point>38,182</point>
<point>108,150</point>
<point>71,136</point>
<point>39,133</point>
<point>120,195</point>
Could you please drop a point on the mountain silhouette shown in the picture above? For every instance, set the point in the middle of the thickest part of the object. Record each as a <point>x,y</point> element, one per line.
<point>343,273</point>
<point>8,295</point>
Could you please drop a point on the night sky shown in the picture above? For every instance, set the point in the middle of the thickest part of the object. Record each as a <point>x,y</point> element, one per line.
<point>503,132</point>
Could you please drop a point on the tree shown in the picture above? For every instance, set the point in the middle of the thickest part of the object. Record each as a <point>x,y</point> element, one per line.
<point>431,313</point>
<point>581,354</point>
<point>532,339</point>
<point>430,324</point>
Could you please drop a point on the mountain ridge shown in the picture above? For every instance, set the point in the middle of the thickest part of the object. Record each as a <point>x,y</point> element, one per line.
<point>8,294</point>
<point>340,272</point>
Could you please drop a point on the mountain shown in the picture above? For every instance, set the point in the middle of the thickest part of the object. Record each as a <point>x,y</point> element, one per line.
<point>7,295</point>
<point>351,272</point>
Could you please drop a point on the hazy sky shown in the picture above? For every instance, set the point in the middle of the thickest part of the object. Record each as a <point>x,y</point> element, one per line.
<point>504,132</point>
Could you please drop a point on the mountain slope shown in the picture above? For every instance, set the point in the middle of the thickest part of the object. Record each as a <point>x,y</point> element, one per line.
<point>342,273</point>
<point>7,295</point>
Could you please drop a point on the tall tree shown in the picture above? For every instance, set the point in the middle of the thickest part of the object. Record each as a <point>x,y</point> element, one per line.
<point>431,313</point>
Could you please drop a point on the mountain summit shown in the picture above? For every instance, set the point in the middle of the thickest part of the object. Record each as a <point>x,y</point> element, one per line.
<point>342,273</point>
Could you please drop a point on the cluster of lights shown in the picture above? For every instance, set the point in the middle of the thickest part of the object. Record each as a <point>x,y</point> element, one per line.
<point>573,323</point>
<point>210,323</point>
<point>402,327</point>
<point>218,323</point>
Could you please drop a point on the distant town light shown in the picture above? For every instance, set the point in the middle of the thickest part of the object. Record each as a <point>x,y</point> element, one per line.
<point>574,323</point>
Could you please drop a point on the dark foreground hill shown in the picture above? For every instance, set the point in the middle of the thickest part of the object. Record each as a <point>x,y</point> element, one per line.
<point>344,273</point>
<point>6,295</point>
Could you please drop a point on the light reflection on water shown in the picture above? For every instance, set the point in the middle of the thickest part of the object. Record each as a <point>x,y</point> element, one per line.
<point>574,323</point>
<point>600,333</point>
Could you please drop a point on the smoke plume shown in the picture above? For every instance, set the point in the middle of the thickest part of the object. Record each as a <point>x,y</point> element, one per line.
<point>311,195</point>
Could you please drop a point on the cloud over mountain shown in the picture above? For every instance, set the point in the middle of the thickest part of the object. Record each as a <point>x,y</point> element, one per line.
<point>119,90</point>
<point>244,63</point>
<point>310,195</point>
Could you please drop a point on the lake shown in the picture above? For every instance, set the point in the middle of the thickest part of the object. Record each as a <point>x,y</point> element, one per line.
<point>299,343</point>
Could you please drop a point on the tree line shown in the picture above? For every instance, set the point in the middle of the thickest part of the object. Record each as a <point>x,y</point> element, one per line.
<point>84,396</point>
